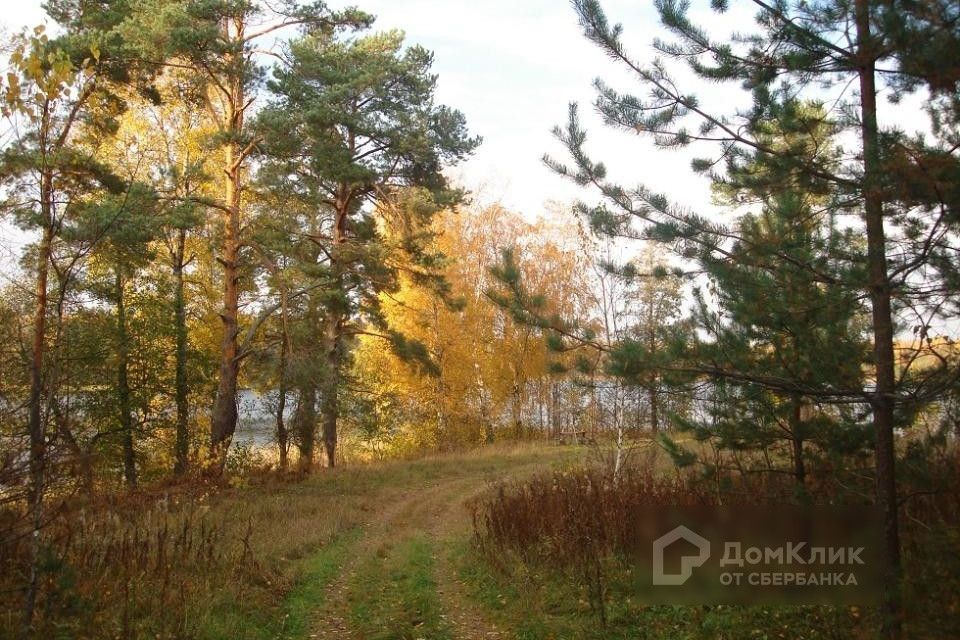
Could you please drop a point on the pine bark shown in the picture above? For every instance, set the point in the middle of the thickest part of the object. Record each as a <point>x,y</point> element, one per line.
<point>223,423</point>
<point>329,402</point>
<point>283,438</point>
<point>333,329</point>
<point>283,434</point>
<point>38,441</point>
<point>882,321</point>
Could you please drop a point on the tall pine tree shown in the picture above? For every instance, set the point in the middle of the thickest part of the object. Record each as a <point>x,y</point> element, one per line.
<point>898,190</point>
<point>355,129</point>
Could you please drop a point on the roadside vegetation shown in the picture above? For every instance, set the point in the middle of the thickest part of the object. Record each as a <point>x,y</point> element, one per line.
<point>258,561</point>
<point>259,350</point>
<point>555,555</point>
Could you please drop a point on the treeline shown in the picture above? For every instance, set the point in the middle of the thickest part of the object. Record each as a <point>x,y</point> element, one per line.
<point>496,378</point>
<point>204,190</point>
<point>190,175</point>
<point>212,201</point>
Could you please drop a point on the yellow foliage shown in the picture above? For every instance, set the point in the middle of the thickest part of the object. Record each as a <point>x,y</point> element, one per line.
<point>488,364</point>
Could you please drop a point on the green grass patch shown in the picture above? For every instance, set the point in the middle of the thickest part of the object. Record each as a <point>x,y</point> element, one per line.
<point>233,620</point>
<point>307,597</point>
<point>394,594</point>
<point>544,605</point>
<point>271,544</point>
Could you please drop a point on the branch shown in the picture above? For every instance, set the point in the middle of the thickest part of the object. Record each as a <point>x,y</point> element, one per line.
<point>244,349</point>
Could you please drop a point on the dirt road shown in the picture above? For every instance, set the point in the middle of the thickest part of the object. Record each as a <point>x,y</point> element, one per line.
<point>399,578</point>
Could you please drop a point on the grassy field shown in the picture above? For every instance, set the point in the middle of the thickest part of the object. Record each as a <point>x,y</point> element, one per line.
<point>357,552</point>
<point>379,552</point>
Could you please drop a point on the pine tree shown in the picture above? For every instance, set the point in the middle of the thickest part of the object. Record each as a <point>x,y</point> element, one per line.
<point>128,228</point>
<point>218,42</point>
<point>781,324</point>
<point>776,307</point>
<point>354,124</point>
<point>898,190</point>
<point>57,90</point>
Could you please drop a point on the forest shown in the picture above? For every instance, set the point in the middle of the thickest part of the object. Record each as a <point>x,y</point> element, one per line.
<point>268,369</point>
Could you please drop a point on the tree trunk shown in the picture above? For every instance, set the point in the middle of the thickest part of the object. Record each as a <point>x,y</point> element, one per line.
<point>652,346</point>
<point>223,422</point>
<point>882,322</point>
<point>182,443</point>
<point>516,412</point>
<point>541,418</point>
<point>443,441</point>
<point>334,324</point>
<point>38,441</point>
<point>654,409</point>
<point>618,458</point>
<point>306,425</point>
<point>37,435</point>
<point>283,437</point>
<point>123,385</point>
<point>283,441</point>
<point>329,403</point>
<point>488,435</point>
<point>796,433</point>
<point>83,458</point>
<point>553,410</point>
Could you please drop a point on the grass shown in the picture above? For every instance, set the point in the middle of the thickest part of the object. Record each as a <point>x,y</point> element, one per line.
<point>293,620</point>
<point>539,542</point>
<point>544,606</point>
<point>395,594</point>
<point>305,530</point>
<point>318,571</point>
<point>274,548</point>
<point>269,546</point>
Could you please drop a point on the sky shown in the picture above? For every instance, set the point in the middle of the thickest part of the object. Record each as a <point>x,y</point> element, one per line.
<point>512,67</point>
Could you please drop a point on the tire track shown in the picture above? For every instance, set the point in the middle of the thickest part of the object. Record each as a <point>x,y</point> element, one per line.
<point>437,510</point>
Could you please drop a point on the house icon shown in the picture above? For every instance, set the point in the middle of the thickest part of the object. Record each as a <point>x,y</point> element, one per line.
<point>687,562</point>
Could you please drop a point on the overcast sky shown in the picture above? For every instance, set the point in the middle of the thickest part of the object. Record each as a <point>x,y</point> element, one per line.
<point>512,66</point>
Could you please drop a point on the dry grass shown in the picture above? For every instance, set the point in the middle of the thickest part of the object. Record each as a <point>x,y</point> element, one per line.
<point>166,565</point>
<point>211,561</point>
<point>576,527</point>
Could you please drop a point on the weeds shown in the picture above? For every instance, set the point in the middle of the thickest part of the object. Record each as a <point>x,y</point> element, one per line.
<point>578,526</point>
<point>248,560</point>
<point>569,514</point>
<point>139,563</point>
<point>575,521</point>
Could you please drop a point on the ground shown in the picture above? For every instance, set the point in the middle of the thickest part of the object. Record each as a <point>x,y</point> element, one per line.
<point>391,567</point>
<point>395,562</point>
<point>386,552</point>
<point>399,580</point>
